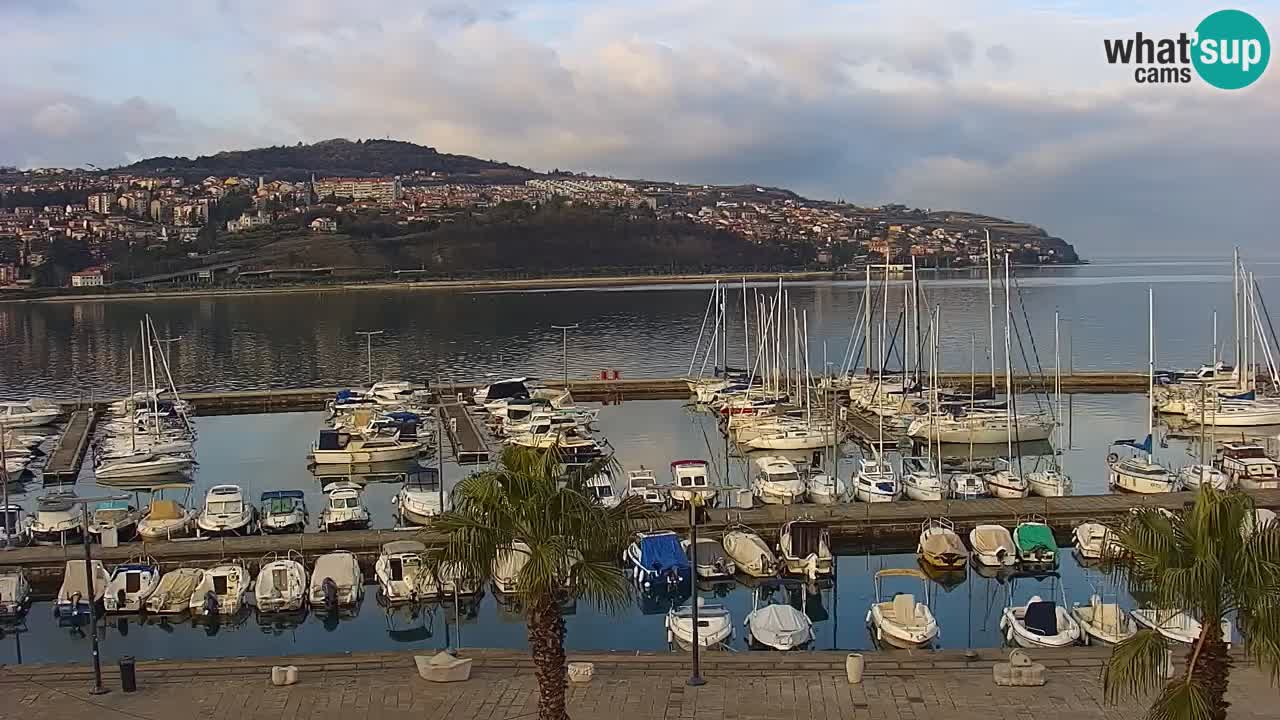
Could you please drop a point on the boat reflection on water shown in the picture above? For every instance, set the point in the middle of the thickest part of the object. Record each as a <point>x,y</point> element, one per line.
<point>148,483</point>
<point>332,617</point>
<point>660,598</point>
<point>510,606</point>
<point>716,588</point>
<point>410,623</point>
<point>278,623</point>
<point>391,471</point>
<point>214,624</point>
<point>958,453</point>
<point>948,580</point>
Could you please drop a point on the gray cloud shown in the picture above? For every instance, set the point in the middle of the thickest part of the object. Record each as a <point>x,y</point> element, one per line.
<point>1000,55</point>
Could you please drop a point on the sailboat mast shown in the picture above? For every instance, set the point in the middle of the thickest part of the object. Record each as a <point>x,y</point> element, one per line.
<point>698,345</point>
<point>746,336</point>
<point>884,331</point>
<point>1214,359</point>
<point>1008,366</point>
<point>991,310</point>
<point>1151,370</point>
<point>1235,307</point>
<point>866,320</point>
<point>133,442</point>
<point>1057,386</point>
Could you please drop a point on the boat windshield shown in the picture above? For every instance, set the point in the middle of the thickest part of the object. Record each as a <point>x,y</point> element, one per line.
<point>279,505</point>
<point>224,507</point>
<point>782,476</point>
<point>344,502</point>
<point>1246,452</point>
<point>603,491</point>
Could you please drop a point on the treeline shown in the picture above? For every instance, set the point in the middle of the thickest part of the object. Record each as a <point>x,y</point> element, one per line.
<point>41,198</point>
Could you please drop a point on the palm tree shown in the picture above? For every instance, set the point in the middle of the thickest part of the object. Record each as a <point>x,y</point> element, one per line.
<point>574,546</point>
<point>1212,562</point>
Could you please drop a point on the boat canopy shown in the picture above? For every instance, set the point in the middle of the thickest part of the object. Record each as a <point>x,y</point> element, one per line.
<point>1035,536</point>
<point>165,510</point>
<point>280,494</point>
<point>661,552</point>
<point>404,547</point>
<point>332,440</point>
<point>806,537</point>
<point>1144,446</point>
<point>427,478</point>
<point>1042,618</point>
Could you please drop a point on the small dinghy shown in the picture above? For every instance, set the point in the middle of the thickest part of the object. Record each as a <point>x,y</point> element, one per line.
<point>749,551</point>
<point>992,546</point>
<point>281,585</point>
<point>779,627</point>
<point>1090,539</point>
<point>939,545</point>
<point>1175,625</point>
<point>1040,623</point>
<point>74,597</point>
<point>805,549</point>
<point>166,519</point>
<point>1104,623</point>
<point>15,593</point>
<point>221,591</point>
<point>824,489</point>
<point>282,511</point>
<point>130,586</point>
<point>401,572</point>
<point>901,621</point>
<point>173,594</point>
<point>715,626</point>
<point>1036,545</point>
<point>336,581</point>
<point>709,559</point>
<point>657,558</point>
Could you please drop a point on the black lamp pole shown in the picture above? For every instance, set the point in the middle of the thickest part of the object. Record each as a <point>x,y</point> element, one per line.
<point>695,498</point>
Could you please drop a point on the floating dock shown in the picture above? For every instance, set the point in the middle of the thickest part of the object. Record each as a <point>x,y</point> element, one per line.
<point>469,446</point>
<point>64,463</point>
<point>870,527</point>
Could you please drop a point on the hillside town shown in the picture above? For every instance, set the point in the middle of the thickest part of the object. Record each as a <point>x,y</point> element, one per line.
<point>84,219</point>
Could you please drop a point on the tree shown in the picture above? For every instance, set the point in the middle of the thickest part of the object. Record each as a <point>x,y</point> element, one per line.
<point>573,542</point>
<point>1212,562</point>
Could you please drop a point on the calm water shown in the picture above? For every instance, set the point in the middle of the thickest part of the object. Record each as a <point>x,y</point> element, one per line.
<point>262,452</point>
<point>61,350</point>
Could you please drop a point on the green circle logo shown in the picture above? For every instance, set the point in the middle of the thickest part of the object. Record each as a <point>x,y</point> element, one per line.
<point>1232,49</point>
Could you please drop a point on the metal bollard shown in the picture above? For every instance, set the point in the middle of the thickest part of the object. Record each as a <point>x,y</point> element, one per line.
<point>128,677</point>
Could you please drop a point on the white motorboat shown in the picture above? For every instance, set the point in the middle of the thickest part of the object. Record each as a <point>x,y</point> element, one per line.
<point>420,499</point>
<point>1090,539</point>
<point>173,595</point>
<point>75,597</point>
<point>339,447</point>
<point>1249,466</point>
<point>779,627</point>
<point>140,464</point>
<point>452,582</point>
<point>15,593</point>
<point>1104,623</point>
<point>401,572</point>
<point>220,592</point>
<point>1049,482</point>
<point>1035,543</point>
<point>226,513</point>
<point>15,526</point>
<point>643,484</point>
<point>715,626</point>
<point>1133,474</point>
<point>130,586</point>
<point>600,487</point>
<point>826,489</point>
<point>992,546</point>
<point>166,519</point>
<point>395,392</point>
<point>282,511</point>
<point>709,559</point>
<point>1005,483</point>
<point>281,585</point>
<point>920,480</point>
<point>336,581</point>
<point>939,546</point>
<point>777,482</point>
<point>1259,519</point>
<point>750,553</point>
<point>57,521</point>
<point>876,481</point>
<point>1039,624</point>
<point>1198,475</point>
<point>344,508</point>
<point>501,391</point>
<point>804,547</point>
<point>32,413</point>
<point>1175,625</point>
<point>507,566</point>
<point>901,621</point>
<point>114,515</point>
<point>689,478</point>
<point>966,486</point>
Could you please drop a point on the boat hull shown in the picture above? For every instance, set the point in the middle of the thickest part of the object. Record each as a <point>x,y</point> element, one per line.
<point>1140,484</point>
<point>351,457</point>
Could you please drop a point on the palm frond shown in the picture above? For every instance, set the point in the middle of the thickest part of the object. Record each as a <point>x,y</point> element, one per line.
<point>1182,701</point>
<point>1136,666</point>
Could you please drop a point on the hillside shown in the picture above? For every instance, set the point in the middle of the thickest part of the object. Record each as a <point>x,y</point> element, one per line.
<point>336,157</point>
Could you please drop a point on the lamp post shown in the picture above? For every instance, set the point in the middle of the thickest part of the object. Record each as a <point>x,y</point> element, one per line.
<point>368,340</point>
<point>564,340</point>
<point>98,688</point>
<point>695,501</point>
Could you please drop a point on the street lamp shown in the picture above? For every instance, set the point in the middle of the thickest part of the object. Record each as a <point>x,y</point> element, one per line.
<point>368,337</point>
<point>695,501</point>
<point>564,330</point>
<point>98,688</point>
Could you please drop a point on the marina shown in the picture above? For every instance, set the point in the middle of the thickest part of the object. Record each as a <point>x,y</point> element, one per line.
<point>68,453</point>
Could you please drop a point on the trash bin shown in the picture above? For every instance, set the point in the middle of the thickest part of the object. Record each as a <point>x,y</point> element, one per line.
<point>128,678</point>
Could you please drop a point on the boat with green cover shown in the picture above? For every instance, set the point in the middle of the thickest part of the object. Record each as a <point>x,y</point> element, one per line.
<point>1034,542</point>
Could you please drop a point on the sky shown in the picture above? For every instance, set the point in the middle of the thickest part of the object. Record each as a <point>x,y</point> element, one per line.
<point>994,106</point>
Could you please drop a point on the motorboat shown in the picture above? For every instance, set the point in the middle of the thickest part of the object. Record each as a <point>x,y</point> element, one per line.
<point>507,566</point>
<point>966,486</point>
<point>1005,483</point>
<point>825,489</point>
<point>15,526</point>
<point>282,511</point>
<point>658,559</point>
<point>1257,520</point>
<point>1175,625</point>
<point>450,583</point>
<point>749,552</point>
<point>173,595</point>
<point>1090,539</point>
<point>344,508</point>
<point>779,627</point>
<point>401,572</point>
<point>689,478</point>
<point>220,592</point>
<point>339,447</point>
<point>643,484</point>
<point>600,487</point>
<point>15,593</point>
<point>939,546</point>
<point>992,546</point>
<point>226,513</point>
<point>920,481</point>
<point>166,519</point>
<point>396,392</point>
<point>336,581</point>
<point>1198,475</point>
<point>709,559</point>
<point>876,481</point>
<point>32,413</point>
<point>420,499</point>
<point>1035,544</point>
<point>1039,624</point>
<point>715,626</point>
<point>281,585</point>
<point>499,392</point>
<point>140,464</point>
<point>81,591</point>
<point>130,586</point>
<point>804,547</point>
<point>114,515</point>
<point>1104,623</point>
<point>777,482</point>
<point>902,621</point>
<point>57,520</point>
<point>1249,466</point>
<point>1049,482</point>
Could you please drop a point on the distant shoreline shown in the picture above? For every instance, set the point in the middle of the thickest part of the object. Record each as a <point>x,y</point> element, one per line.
<point>471,285</point>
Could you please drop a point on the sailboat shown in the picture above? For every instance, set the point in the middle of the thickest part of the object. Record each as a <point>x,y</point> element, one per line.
<point>1134,474</point>
<point>1051,481</point>
<point>1004,482</point>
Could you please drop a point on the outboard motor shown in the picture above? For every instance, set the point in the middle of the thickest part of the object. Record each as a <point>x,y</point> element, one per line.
<point>121,599</point>
<point>330,590</point>
<point>673,579</point>
<point>210,604</point>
